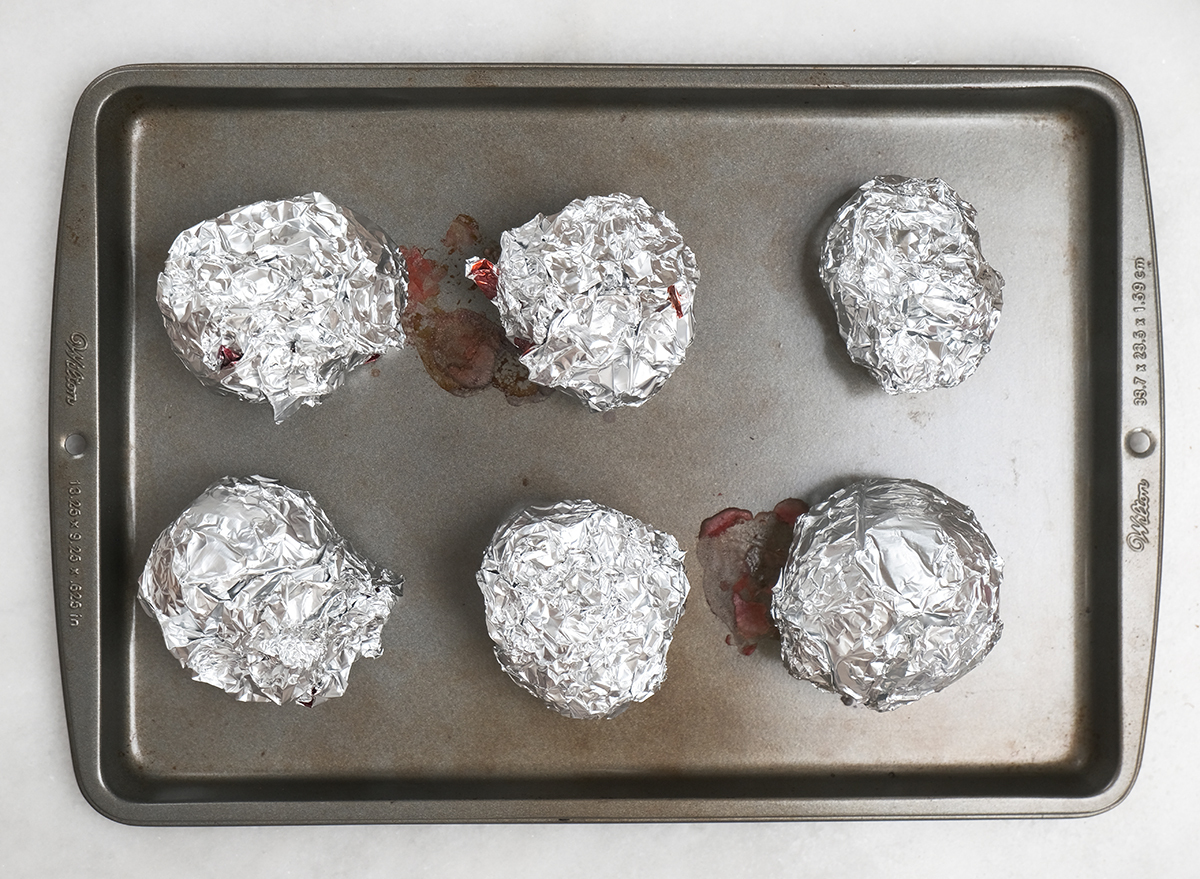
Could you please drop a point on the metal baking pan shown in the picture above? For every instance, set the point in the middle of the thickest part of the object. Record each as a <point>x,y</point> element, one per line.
<point>1056,442</point>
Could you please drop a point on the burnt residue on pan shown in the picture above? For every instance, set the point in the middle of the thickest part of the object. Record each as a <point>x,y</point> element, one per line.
<point>742,555</point>
<point>464,348</point>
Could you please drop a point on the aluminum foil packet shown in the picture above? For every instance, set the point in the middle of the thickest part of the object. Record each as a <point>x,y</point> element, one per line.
<point>280,300</point>
<point>917,304</point>
<point>257,594</point>
<point>598,298</point>
<point>891,591</point>
<point>581,602</point>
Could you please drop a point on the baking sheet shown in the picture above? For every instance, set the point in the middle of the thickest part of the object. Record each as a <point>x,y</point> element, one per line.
<point>749,162</point>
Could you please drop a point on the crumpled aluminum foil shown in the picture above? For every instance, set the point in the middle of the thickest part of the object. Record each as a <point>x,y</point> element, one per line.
<point>582,601</point>
<point>279,300</point>
<point>891,591</point>
<point>598,298</point>
<point>916,302</point>
<point>257,594</point>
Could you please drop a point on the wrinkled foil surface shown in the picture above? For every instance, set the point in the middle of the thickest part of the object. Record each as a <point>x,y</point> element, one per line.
<point>257,594</point>
<point>582,601</point>
<point>598,297</point>
<point>891,591</point>
<point>279,300</point>
<point>916,302</point>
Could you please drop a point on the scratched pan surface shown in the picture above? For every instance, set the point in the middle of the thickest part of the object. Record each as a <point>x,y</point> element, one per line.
<point>1043,441</point>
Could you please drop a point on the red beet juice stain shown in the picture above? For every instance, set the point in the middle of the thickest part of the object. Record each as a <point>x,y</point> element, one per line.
<point>742,555</point>
<point>464,350</point>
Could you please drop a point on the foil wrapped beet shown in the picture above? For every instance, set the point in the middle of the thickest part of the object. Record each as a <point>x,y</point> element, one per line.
<point>917,304</point>
<point>257,594</point>
<point>280,300</point>
<point>598,298</point>
<point>581,602</point>
<point>891,591</point>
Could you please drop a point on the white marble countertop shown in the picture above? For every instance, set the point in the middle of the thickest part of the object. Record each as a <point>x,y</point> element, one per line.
<point>51,50</point>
